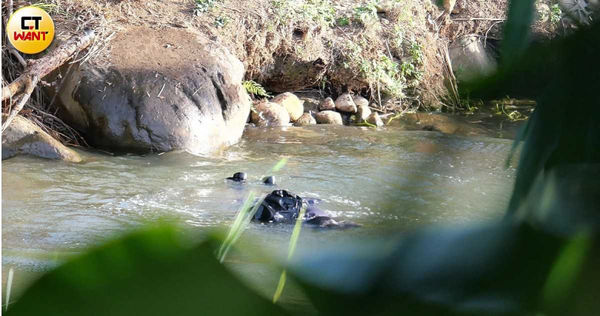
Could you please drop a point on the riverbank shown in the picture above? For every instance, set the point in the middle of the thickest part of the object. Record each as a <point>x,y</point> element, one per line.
<point>394,56</point>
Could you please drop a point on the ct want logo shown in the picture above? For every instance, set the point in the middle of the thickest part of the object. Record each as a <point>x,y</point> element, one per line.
<point>30,30</point>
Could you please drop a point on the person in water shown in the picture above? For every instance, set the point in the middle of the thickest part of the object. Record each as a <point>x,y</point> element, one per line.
<point>282,206</point>
<point>238,177</point>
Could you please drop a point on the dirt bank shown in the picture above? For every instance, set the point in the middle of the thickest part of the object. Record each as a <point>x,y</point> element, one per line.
<point>391,52</point>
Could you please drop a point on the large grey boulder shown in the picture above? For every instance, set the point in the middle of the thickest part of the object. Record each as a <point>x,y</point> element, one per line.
<point>161,91</point>
<point>22,137</point>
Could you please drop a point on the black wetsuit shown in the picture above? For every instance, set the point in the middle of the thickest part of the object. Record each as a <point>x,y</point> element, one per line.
<point>281,206</point>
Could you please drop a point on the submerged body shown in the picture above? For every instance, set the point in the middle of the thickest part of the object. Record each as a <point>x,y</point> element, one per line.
<point>281,206</point>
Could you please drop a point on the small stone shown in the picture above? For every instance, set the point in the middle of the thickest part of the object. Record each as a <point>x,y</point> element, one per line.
<point>291,103</point>
<point>305,119</point>
<point>363,113</point>
<point>270,114</point>
<point>327,105</point>
<point>310,104</point>
<point>375,119</point>
<point>360,101</point>
<point>329,117</point>
<point>344,103</point>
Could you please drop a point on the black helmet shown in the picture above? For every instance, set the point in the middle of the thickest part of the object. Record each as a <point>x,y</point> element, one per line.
<point>270,180</point>
<point>238,177</point>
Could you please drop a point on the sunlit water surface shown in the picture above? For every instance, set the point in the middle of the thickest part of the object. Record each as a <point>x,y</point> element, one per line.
<point>386,180</point>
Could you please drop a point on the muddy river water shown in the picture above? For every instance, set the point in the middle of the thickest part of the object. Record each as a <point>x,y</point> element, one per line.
<point>385,180</point>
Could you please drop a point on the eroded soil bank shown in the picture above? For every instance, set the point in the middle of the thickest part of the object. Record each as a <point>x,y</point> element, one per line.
<point>393,54</point>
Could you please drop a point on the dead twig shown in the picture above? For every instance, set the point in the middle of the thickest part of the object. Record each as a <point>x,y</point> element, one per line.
<point>48,63</point>
<point>30,84</point>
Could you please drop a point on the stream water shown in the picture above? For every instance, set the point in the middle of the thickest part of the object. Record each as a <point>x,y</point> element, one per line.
<point>385,180</point>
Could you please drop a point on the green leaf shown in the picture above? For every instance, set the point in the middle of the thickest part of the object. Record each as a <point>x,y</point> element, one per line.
<point>493,269</point>
<point>145,273</point>
<point>565,271</point>
<point>517,29</point>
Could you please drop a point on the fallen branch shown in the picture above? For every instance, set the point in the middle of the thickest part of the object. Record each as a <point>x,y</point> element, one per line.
<point>21,88</point>
<point>43,66</point>
<point>30,83</point>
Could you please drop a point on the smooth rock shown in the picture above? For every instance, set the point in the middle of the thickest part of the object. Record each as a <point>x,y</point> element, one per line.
<point>329,117</point>
<point>305,119</point>
<point>363,113</point>
<point>344,103</point>
<point>291,103</point>
<point>267,113</point>
<point>22,137</point>
<point>327,105</point>
<point>470,58</point>
<point>375,119</point>
<point>156,99</point>
<point>360,101</point>
<point>311,98</point>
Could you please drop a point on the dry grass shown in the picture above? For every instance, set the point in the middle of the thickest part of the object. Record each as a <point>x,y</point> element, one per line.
<point>389,51</point>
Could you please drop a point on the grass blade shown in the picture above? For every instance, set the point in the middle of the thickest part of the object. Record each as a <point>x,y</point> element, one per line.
<point>235,227</point>
<point>291,250</point>
<point>279,165</point>
<point>9,286</point>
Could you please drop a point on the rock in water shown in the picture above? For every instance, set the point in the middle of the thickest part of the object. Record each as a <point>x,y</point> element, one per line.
<point>291,103</point>
<point>305,119</point>
<point>267,113</point>
<point>327,105</point>
<point>24,137</point>
<point>329,117</point>
<point>375,119</point>
<point>363,113</point>
<point>344,103</point>
<point>157,98</point>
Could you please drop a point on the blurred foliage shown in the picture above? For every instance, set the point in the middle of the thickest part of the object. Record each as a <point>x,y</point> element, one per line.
<point>541,259</point>
<point>147,273</point>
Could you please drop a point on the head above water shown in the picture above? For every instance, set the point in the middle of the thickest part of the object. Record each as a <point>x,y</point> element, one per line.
<point>270,180</point>
<point>238,177</point>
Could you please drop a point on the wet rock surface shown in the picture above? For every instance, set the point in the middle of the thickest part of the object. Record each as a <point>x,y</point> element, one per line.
<point>22,137</point>
<point>270,114</point>
<point>374,119</point>
<point>329,117</point>
<point>305,120</point>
